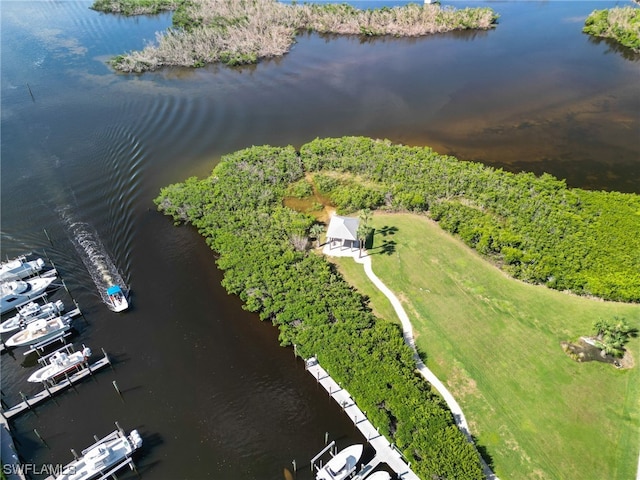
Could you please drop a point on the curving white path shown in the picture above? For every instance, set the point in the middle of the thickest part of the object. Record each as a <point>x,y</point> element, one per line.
<point>407,333</point>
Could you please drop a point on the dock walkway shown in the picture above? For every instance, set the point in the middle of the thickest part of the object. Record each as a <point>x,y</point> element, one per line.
<point>385,452</point>
<point>48,392</point>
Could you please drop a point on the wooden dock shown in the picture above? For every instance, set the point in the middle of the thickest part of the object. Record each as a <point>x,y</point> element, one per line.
<point>385,452</point>
<point>49,392</point>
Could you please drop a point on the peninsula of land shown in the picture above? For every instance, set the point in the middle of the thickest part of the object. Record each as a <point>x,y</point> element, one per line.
<point>535,229</point>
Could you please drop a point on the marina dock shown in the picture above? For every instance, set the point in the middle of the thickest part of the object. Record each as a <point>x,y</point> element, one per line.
<point>102,472</point>
<point>50,391</point>
<point>385,451</point>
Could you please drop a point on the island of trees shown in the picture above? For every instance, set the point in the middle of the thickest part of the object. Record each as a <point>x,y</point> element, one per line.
<point>535,228</point>
<point>238,32</point>
<point>620,23</point>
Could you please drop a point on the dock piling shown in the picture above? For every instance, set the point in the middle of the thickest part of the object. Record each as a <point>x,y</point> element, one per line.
<point>41,439</point>
<point>78,307</point>
<point>115,385</point>
<point>133,467</point>
<point>66,376</point>
<point>25,399</point>
<point>108,359</point>
<point>50,389</point>
<point>46,387</point>
<point>45,230</point>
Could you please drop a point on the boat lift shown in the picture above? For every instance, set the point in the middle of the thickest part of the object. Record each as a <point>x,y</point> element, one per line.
<point>48,392</point>
<point>127,461</point>
<point>331,448</point>
<point>68,349</point>
<point>39,347</point>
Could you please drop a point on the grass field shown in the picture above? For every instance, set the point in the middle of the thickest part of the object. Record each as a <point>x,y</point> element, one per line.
<point>495,342</point>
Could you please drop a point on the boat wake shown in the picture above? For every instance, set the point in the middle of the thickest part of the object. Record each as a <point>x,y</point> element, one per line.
<point>97,261</point>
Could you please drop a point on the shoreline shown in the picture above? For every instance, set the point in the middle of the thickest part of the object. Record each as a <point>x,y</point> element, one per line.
<point>379,442</point>
<point>240,33</point>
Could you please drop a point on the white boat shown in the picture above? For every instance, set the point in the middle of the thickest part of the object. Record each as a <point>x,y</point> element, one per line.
<point>39,331</point>
<point>117,299</point>
<point>15,293</point>
<point>102,457</point>
<point>60,363</point>
<point>343,464</point>
<point>20,268</point>
<point>379,476</point>
<point>31,312</point>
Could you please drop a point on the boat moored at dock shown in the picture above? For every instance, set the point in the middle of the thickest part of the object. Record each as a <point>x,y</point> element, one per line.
<point>40,331</point>
<point>342,465</point>
<point>103,458</point>
<point>29,313</point>
<point>381,475</point>
<point>20,268</point>
<point>15,293</point>
<point>58,363</point>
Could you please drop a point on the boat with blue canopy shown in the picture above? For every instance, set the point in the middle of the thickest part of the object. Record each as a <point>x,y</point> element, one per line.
<point>117,299</point>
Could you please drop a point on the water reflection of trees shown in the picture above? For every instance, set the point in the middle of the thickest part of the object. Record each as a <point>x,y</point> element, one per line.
<point>466,35</point>
<point>615,47</point>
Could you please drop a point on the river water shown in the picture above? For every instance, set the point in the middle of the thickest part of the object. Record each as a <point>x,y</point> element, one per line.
<point>206,383</point>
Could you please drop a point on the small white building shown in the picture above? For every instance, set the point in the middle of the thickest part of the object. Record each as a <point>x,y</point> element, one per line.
<point>343,232</point>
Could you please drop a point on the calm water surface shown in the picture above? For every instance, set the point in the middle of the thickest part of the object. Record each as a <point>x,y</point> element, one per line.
<point>206,383</point>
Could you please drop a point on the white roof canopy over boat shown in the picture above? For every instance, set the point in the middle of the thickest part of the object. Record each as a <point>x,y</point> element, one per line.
<point>343,228</point>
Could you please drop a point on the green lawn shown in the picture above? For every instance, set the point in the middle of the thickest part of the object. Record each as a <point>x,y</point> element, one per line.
<point>495,342</point>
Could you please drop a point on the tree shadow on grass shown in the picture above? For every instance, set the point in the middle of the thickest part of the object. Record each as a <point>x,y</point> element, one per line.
<point>388,230</point>
<point>387,246</point>
<point>482,450</point>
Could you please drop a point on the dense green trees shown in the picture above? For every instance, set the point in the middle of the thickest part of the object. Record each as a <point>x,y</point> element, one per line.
<point>239,211</point>
<point>536,228</point>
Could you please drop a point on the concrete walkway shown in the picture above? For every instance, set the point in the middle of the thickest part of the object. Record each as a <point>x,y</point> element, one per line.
<point>407,333</point>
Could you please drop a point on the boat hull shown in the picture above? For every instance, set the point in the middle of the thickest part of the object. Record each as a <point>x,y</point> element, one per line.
<point>60,364</point>
<point>30,313</point>
<point>39,331</point>
<point>19,292</point>
<point>20,268</point>
<point>342,465</point>
<point>117,299</point>
<point>102,456</point>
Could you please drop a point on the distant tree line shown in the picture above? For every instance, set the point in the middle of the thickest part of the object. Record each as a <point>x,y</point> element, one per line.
<point>535,227</point>
<point>239,211</point>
